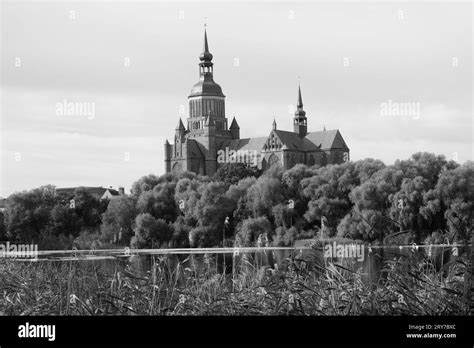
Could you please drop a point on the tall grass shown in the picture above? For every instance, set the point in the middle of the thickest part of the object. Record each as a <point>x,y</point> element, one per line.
<point>113,288</point>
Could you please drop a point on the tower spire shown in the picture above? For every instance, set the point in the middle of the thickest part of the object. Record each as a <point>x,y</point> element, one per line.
<point>206,45</point>
<point>206,56</point>
<point>300,100</point>
<point>180,125</point>
<point>300,125</point>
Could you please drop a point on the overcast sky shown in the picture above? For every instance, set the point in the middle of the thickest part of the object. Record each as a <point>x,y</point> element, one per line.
<point>136,62</point>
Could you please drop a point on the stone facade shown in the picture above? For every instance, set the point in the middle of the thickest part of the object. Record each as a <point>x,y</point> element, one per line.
<point>208,141</point>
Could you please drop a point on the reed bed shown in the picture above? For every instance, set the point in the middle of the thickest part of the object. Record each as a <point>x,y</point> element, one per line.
<point>90,288</point>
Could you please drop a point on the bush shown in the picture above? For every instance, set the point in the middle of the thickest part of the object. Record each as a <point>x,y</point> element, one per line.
<point>150,232</point>
<point>250,229</point>
<point>202,237</point>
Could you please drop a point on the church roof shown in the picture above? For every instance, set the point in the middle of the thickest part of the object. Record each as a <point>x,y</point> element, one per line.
<point>246,144</point>
<point>294,142</point>
<point>206,86</point>
<point>314,141</point>
<point>330,139</point>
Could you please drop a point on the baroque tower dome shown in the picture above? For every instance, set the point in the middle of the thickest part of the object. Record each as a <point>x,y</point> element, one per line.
<point>206,99</point>
<point>206,85</point>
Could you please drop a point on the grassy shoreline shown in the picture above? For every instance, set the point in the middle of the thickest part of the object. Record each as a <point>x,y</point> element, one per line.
<point>90,288</point>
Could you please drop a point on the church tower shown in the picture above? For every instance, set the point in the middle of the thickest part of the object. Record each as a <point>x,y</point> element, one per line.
<point>300,123</point>
<point>206,99</point>
<point>207,122</point>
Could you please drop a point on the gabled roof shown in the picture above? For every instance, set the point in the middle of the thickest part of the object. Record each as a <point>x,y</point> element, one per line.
<point>92,190</point>
<point>293,141</point>
<point>246,144</point>
<point>194,149</point>
<point>330,139</point>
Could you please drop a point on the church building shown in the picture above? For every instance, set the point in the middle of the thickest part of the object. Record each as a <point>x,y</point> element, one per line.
<point>207,141</point>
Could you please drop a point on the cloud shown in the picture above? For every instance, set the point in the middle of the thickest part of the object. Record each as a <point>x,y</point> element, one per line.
<point>137,106</point>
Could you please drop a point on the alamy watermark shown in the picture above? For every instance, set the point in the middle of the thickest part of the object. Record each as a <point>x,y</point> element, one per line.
<point>344,251</point>
<point>25,251</point>
<point>76,109</point>
<point>393,108</point>
<point>237,156</point>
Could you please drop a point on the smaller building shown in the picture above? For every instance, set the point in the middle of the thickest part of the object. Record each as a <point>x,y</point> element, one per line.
<point>98,192</point>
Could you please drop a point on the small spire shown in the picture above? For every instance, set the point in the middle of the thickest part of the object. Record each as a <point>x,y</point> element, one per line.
<point>324,128</point>
<point>180,125</point>
<point>205,55</point>
<point>234,124</point>
<point>206,45</point>
<point>299,104</point>
<point>274,124</point>
<point>300,100</point>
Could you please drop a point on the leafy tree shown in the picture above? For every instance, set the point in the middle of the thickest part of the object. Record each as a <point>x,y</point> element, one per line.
<point>88,208</point>
<point>372,201</point>
<point>420,175</point>
<point>393,198</point>
<point>203,237</point>
<point>180,238</point>
<point>424,164</point>
<point>28,213</point>
<point>64,221</point>
<point>328,193</point>
<point>292,180</point>
<point>407,203</point>
<point>118,220</point>
<point>275,171</point>
<point>186,196</point>
<point>3,229</point>
<point>150,232</point>
<point>213,207</point>
<point>285,236</point>
<point>238,195</point>
<point>365,168</point>
<point>239,190</point>
<point>363,225</point>
<point>453,196</point>
<point>250,229</point>
<point>160,201</point>
<point>232,173</point>
<point>147,183</point>
<point>263,195</point>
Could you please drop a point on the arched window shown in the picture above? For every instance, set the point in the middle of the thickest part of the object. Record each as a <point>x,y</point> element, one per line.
<point>176,167</point>
<point>273,160</point>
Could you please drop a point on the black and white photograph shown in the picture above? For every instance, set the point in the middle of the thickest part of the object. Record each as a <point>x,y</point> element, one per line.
<point>283,167</point>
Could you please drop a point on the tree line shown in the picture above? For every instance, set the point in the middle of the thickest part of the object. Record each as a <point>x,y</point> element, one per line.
<point>424,199</point>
